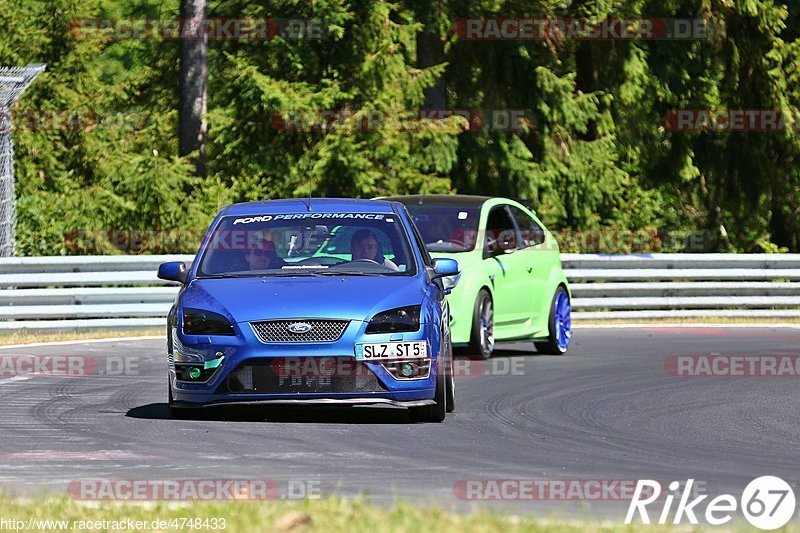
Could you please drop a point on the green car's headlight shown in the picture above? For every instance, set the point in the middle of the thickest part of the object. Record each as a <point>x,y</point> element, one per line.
<point>200,322</point>
<point>395,320</point>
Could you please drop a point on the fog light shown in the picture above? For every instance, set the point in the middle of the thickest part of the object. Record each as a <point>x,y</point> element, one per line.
<point>407,370</point>
<point>417,369</point>
<point>197,372</point>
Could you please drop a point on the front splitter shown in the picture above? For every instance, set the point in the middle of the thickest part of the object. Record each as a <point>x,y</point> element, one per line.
<point>310,402</point>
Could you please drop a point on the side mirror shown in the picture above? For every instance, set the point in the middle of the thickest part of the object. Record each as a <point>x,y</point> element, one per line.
<point>445,267</point>
<point>173,271</point>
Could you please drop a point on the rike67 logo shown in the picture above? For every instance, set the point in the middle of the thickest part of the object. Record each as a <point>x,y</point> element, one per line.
<point>767,502</point>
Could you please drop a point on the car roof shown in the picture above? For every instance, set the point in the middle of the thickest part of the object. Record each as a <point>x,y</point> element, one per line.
<point>454,199</point>
<point>463,200</point>
<point>318,205</point>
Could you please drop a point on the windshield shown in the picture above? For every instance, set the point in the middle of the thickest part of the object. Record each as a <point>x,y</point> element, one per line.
<point>446,227</point>
<point>313,244</point>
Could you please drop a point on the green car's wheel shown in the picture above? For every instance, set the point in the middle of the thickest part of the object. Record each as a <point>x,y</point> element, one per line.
<point>437,412</point>
<point>559,325</point>
<point>481,342</point>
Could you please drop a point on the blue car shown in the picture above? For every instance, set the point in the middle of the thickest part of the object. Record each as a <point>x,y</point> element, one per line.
<point>328,301</point>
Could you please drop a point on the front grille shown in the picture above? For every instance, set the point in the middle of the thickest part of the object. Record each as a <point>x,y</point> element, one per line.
<point>298,375</point>
<point>278,330</point>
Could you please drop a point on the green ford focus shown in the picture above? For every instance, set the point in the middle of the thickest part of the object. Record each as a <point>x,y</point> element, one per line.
<point>511,285</point>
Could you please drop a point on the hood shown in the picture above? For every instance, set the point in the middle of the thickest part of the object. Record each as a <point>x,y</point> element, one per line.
<point>344,297</point>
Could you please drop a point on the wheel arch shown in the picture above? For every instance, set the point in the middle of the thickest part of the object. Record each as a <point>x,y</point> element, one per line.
<point>566,288</point>
<point>464,306</point>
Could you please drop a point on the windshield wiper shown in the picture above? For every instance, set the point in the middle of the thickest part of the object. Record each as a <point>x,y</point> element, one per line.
<point>290,274</point>
<point>264,275</point>
<point>298,273</point>
<point>353,273</point>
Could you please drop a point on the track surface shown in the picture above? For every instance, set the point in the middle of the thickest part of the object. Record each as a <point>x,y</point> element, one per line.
<point>607,410</point>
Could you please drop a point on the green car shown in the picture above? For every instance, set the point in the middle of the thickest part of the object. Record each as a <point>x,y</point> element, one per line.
<point>511,285</point>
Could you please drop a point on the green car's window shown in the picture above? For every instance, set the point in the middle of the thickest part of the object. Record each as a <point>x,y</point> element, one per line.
<point>501,234</point>
<point>446,227</point>
<point>531,233</point>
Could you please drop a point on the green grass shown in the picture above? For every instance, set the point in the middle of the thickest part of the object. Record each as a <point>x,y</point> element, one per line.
<point>26,337</point>
<point>327,515</point>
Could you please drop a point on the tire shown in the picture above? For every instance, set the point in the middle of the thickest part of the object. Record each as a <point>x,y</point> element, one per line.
<point>437,412</point>
<point>481,340</point>
<point>559,325</point>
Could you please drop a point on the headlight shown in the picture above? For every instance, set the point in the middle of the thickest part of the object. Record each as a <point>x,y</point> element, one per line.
<point>395,320</point>
<point>200,322</point>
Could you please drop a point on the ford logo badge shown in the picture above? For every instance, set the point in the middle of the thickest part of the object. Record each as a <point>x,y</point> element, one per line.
<point>300,327</point>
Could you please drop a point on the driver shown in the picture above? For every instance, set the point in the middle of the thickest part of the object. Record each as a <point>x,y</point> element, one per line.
<point>364,245</point>
<point>261,255</point>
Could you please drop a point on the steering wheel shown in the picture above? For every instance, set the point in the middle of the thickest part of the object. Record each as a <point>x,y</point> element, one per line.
<point>365,260</point>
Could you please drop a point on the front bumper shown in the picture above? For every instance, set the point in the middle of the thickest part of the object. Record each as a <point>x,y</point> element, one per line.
<point>372,384</point>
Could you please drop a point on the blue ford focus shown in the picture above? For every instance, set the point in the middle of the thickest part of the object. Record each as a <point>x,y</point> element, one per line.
<point>325,301</point>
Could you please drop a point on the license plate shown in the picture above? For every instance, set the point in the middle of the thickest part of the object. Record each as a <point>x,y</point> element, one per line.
<point>382,351</point>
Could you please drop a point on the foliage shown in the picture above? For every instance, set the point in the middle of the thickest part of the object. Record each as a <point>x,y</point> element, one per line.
<point>593,152</point>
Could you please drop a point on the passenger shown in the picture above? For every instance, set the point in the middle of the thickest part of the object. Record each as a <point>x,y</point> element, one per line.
<point>364,245</point>
<point>261,255</point>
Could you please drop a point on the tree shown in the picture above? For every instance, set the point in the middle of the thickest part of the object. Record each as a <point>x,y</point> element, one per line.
<point>192,130</point>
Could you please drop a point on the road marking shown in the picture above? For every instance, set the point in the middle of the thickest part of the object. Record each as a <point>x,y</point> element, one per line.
<point>3,381</point>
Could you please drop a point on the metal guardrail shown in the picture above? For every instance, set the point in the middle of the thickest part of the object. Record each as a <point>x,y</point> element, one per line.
<point>123,292</point>
<point>679,286</point>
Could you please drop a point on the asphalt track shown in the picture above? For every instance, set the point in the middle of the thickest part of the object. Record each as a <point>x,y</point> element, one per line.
<point>606,411</point>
